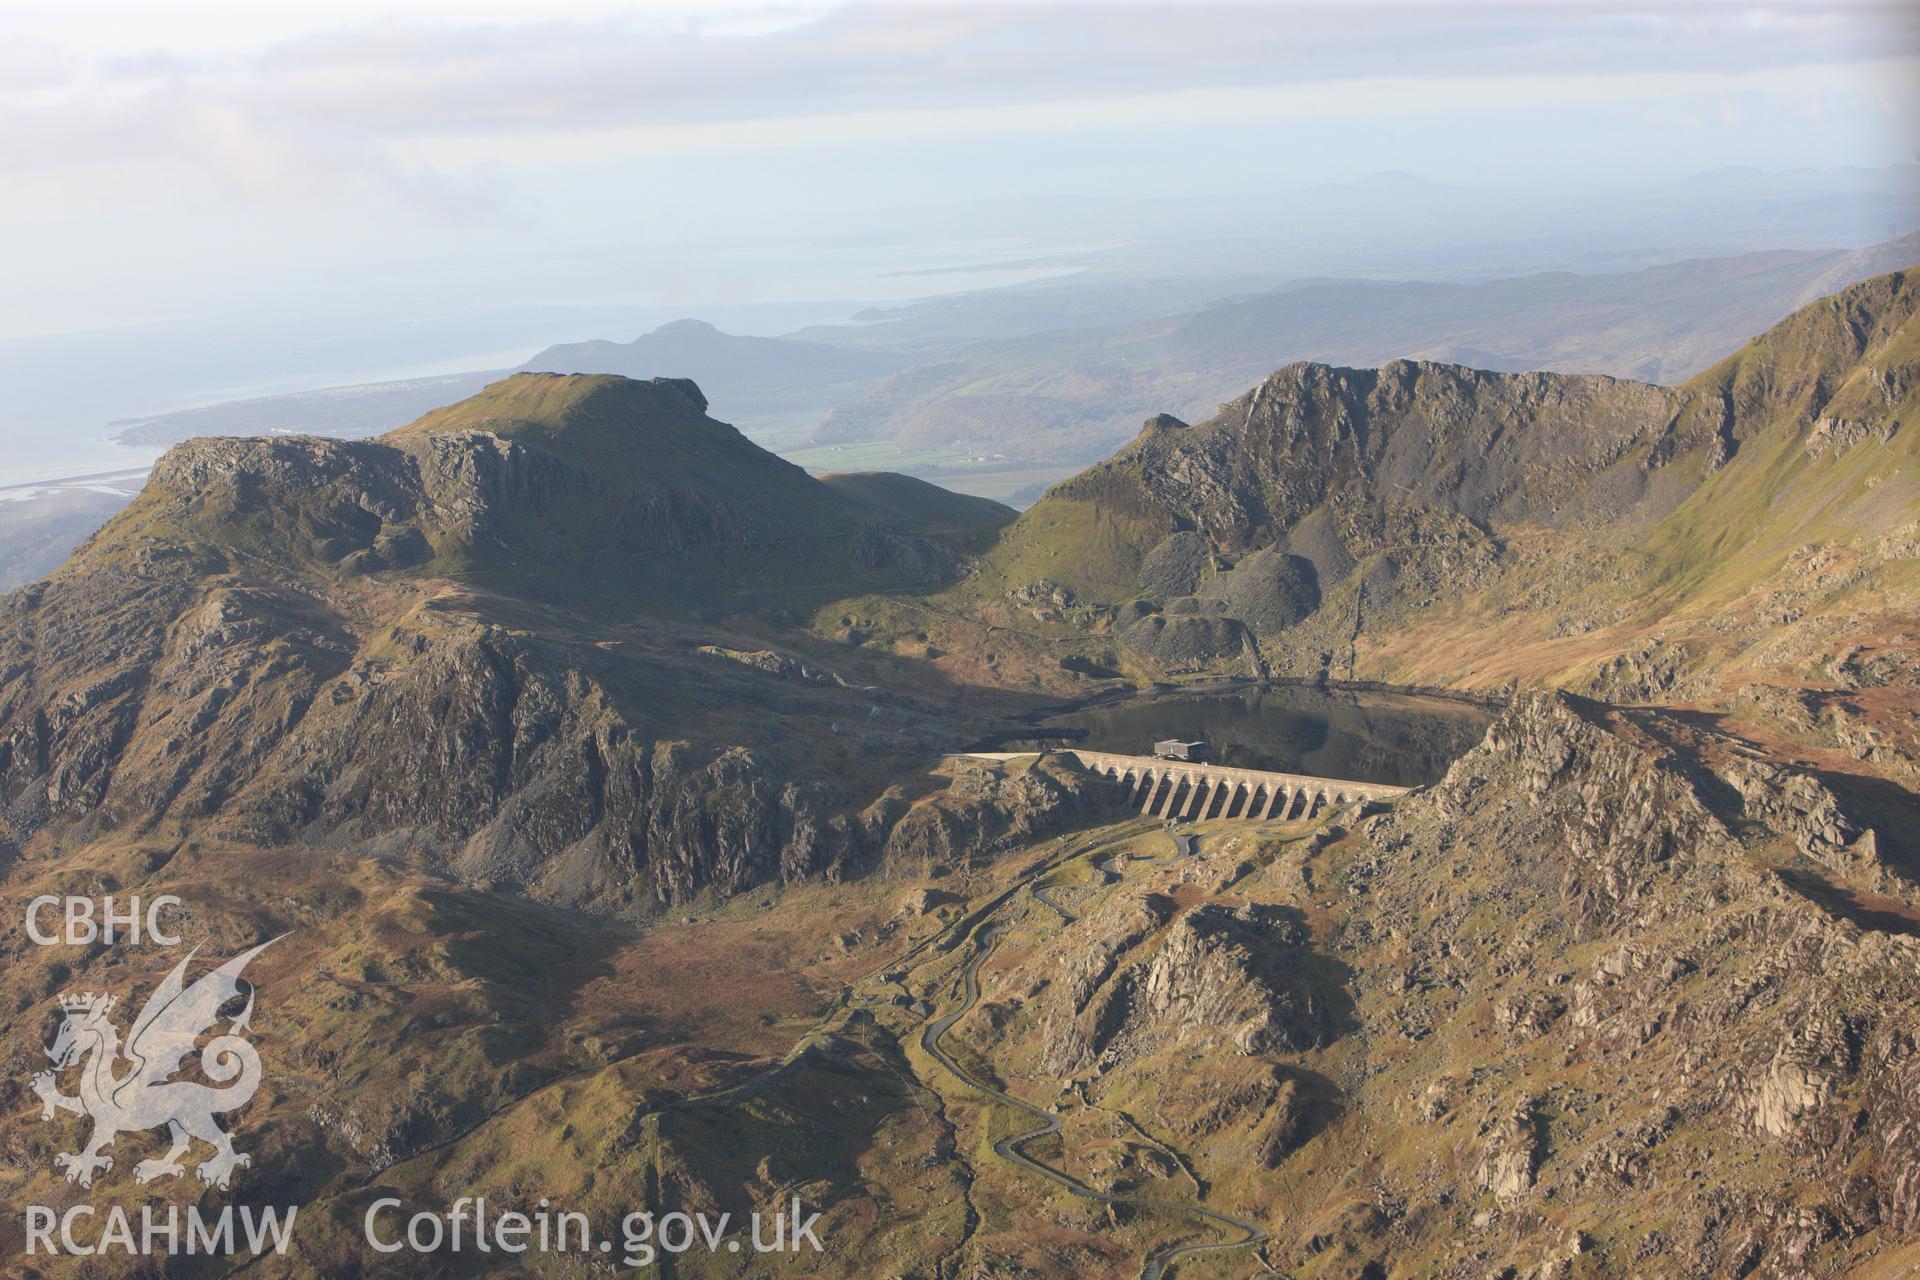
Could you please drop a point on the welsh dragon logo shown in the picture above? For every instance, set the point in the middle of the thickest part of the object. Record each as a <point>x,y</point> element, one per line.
<point>125,1091</point>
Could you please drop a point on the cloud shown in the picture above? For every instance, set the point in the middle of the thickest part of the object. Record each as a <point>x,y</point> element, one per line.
<point>377,80</point>
<point>141,136</point>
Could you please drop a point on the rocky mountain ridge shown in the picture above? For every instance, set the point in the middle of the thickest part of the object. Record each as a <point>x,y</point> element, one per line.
<point>401,645</point>
<point>1427,524</point>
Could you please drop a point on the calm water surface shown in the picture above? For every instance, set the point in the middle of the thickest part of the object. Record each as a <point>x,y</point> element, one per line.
<point>1400,739</point>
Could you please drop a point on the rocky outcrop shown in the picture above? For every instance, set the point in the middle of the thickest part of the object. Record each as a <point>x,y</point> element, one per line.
<point>1831,437</point>
<point>1239,979</point>
<point>461,744</point>
<point>774,663</point>
<point>1221,972</point>
<point>1595,887</point>
<point>1511,1153</point>
<point>987,808</point>
<point>1610,821</point>
<point>1803,1075</point>
<point>1804,809</point>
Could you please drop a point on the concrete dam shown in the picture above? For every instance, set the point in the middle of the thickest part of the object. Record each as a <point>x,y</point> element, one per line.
<point>1185,789</point>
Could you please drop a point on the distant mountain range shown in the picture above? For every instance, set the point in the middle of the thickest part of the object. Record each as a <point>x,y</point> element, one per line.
<point>759,377</point>
<point>924,379</point>
<point>1074,395</point>
<point>1062,388</point>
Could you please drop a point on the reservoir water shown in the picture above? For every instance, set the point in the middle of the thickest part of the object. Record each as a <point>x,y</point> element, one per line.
<point>1360,735</point>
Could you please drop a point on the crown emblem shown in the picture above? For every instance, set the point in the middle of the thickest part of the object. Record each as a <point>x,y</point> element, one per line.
<point>129,1088</point>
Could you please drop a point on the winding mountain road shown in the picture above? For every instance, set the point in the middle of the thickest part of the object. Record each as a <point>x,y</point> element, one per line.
<point>1158,1265</point>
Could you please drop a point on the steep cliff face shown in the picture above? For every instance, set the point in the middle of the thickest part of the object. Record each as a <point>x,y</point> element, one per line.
<point>1334,467</point>
<point>448,644</point>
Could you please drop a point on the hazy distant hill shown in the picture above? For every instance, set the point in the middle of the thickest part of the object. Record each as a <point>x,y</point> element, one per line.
<point>1107,353</point>
<point>751,375</point>
<point>1076,394</point>
<point>759,384</point>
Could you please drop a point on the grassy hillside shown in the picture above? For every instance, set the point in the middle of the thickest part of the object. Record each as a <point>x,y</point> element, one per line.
<point>1821,408</point>
<point>909,500</point>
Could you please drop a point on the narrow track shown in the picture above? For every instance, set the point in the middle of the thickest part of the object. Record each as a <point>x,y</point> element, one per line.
<point>1045,898</point>
<point>1157,1265</point>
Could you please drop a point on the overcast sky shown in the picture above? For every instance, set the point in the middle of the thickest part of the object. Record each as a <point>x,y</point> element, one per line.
<point>163,162</point>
